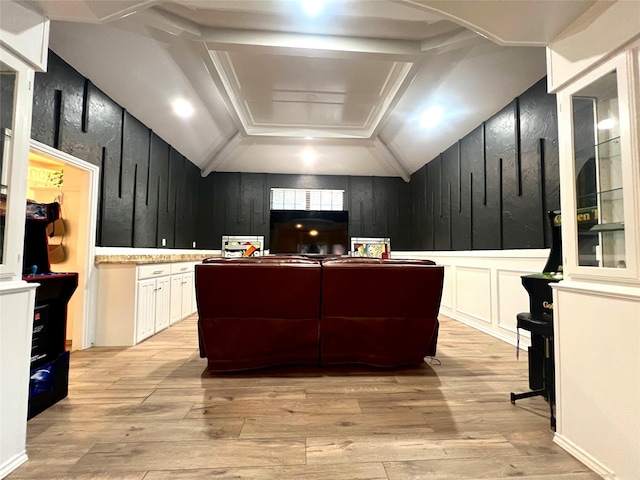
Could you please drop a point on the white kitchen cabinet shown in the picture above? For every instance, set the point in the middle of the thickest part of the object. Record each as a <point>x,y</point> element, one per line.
<point>163,304</point>
<point>187,294</point>
<point>134,302</point>
<point>182,291</point>
<point>146,309</point>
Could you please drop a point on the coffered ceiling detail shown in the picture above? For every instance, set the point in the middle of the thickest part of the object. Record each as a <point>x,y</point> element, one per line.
<point>268,83</point>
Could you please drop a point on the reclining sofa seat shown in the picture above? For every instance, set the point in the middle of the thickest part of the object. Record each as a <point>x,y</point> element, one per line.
<point>274,310</point>
<point>258,312</point>
<point>379,312</point>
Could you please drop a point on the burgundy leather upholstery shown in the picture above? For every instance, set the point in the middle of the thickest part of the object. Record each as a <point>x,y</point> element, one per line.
<point>273,310</point>
<point>381,312</point>
<point>258,312</point>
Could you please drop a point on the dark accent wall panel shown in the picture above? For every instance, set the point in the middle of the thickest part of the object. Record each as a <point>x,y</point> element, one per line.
<point>205,224</point>
<point>492,189</point>
<point>185,205</point>
<point>451,191</point>
<point>254,207</point>
<point>418,188</point>
<point>157,198</point>
<point>539,142</point>
<point>360,206</point>
<point>133,181</point>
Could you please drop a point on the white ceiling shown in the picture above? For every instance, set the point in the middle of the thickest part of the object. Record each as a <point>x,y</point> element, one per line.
<point>277,91</point>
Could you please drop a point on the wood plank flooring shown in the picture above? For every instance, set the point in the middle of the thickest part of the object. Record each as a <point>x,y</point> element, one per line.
<point>152,412</point>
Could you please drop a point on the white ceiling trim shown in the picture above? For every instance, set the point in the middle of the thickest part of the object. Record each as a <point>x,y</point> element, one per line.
<point>384,155</point>
<point>224,154</point>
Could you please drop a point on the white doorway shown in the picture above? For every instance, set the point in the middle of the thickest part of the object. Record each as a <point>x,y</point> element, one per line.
<point>77,193</point>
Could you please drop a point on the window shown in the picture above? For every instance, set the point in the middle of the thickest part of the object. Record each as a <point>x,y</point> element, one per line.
<point>306,199</point>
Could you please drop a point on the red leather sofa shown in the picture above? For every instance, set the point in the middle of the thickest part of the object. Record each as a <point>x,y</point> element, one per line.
<point>379,312</point>
<point>258,312</point>
<point>274,310</point>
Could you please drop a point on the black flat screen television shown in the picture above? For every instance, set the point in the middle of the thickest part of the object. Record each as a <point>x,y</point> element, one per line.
<point>309,232</point>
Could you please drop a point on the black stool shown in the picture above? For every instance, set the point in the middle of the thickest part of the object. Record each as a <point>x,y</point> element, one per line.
<point>541,373</point>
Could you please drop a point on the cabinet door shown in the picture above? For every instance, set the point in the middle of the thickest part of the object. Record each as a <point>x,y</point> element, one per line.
<point>187,294</point>
<point>146,309</point>
<point>176,299</point>
<point>163,303</point>
<point>599,181</point>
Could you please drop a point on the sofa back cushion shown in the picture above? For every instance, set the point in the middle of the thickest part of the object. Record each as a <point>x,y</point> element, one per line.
<point>271,287</point>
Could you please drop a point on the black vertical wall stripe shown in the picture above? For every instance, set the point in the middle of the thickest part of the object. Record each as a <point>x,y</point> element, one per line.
<point>85,106</point>
<point>543,191</point>
<point>100,240</point>
<point>471,208</point>
<point>135,191</point>
<point>148,182</point>
<point>168,176</point>
<point>121,170</point>
<point>500,211</point>
<point>57,115</point>
<point>518,147</point>
<point>484,163</point>
<point>459,177</point>
<point>450,220</point>
<point>158,210</point>
<point>440,183</point>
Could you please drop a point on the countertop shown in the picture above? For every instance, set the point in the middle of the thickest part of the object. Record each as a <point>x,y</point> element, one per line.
<point>141,259</point>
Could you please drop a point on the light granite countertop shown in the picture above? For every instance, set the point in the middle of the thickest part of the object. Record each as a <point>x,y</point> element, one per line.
<point>141,259</point>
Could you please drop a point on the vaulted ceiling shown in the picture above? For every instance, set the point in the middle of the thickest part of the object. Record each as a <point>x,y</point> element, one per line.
<point>279,90</point>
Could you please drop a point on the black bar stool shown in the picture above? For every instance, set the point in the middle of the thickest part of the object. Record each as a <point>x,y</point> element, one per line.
<point>541,373</point>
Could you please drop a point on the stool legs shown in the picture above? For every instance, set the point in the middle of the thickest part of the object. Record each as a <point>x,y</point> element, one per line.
<point>548,382</point>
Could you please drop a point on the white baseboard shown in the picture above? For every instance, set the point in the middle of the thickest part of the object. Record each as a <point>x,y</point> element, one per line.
<point>584,457</point>
<point>10,465</point>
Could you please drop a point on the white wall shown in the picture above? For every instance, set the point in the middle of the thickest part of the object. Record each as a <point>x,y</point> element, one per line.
<point>597,324</point>
<point>16,306</point>
<point>484,289</point>
<point>24,37</point>
<point>597,335</point>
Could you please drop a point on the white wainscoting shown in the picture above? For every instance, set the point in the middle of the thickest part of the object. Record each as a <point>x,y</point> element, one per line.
<point>483,289</point>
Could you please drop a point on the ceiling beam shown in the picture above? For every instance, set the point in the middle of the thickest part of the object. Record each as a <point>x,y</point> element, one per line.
<point>223,154</point>
<point>380,151</point>
<point>316,45</point>
<point>451,41</point>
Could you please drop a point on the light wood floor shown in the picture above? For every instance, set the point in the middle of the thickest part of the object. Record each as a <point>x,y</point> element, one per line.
<point>152,412</point>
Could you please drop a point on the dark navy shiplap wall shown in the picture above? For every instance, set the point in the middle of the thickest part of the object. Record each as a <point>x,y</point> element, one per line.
<point>491,189</point>
<point>488,191</point>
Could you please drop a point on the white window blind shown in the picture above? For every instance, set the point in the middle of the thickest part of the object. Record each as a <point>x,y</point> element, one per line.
<point>306,199</point>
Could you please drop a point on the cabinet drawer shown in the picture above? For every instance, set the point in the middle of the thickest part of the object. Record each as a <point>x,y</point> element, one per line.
<point>177,268</point>
<point>151,271</point>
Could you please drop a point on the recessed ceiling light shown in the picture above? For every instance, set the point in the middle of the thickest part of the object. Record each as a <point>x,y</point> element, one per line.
<point>313,233</point>
<point>312,7</point>
<point>308,138</point>
<point>182,108</point>
<point>431,117</point>
<point>308,156</point>
<point>606,124</point>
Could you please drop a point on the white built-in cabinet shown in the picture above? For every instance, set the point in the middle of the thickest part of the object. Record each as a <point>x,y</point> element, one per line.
<point>138,301</point>
<point>182,291</point>
<point>153,300</point>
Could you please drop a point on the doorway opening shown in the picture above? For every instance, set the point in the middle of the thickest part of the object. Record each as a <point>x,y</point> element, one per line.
<point>54,176</point>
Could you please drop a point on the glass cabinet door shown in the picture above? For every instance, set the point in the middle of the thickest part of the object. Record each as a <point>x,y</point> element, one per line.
<point>599,173</point>
<point>7,103</point>
<point>16,80</point>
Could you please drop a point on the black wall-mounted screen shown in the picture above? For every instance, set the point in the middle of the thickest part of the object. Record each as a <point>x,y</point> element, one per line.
<point>309,231</point>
